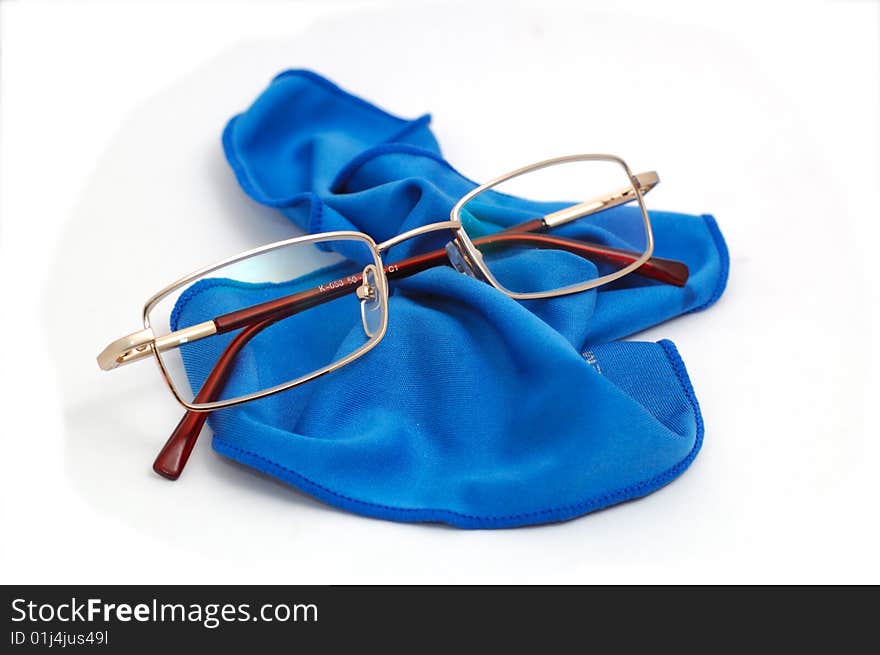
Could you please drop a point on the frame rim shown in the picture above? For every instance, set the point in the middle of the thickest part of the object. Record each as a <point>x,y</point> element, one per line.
<point>476,257</point>
<point>338,235</point>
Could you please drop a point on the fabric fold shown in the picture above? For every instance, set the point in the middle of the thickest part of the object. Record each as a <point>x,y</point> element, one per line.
<point>475,410</point>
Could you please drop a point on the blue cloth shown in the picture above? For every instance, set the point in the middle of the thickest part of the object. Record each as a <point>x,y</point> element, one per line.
<point>475,410</point>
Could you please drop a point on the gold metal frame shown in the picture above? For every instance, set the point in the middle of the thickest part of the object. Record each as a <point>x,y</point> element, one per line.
<point>641,184</point>
<point>143,343</point>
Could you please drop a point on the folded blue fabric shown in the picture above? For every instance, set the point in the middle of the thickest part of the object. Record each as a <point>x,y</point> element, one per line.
<point>482,411</point>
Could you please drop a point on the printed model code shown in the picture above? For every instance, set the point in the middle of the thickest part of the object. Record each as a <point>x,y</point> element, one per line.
<point>59,639</point>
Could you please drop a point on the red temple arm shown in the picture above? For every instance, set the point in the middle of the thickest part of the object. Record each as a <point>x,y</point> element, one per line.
<point>656,268</point>
<point>174,455</point>
<point>669,271</point>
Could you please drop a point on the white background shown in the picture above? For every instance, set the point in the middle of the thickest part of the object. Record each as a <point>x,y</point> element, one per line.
<point>113,183</point>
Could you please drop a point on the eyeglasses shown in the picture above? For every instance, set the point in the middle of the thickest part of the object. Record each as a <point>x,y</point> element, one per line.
<point>214,332</point>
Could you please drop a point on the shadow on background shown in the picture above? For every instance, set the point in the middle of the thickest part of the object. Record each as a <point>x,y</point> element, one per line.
<point>162,201</point>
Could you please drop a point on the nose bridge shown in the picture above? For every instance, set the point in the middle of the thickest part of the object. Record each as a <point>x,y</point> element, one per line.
<point>418,231</point>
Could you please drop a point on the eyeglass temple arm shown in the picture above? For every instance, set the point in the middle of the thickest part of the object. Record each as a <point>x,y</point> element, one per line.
<point>669,271</point>
<point>173,457</point>
<point>136,346</point>
<point>663,270</point>
<point>171,460</point>
<point>645,181</point>
<point>176,451</point>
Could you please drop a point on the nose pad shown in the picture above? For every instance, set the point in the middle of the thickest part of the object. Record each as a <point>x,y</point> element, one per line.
<point>372,311</point>
<point>461,262</point>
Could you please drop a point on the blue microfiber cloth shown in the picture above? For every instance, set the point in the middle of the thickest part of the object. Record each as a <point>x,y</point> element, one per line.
<point>475,410</point>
